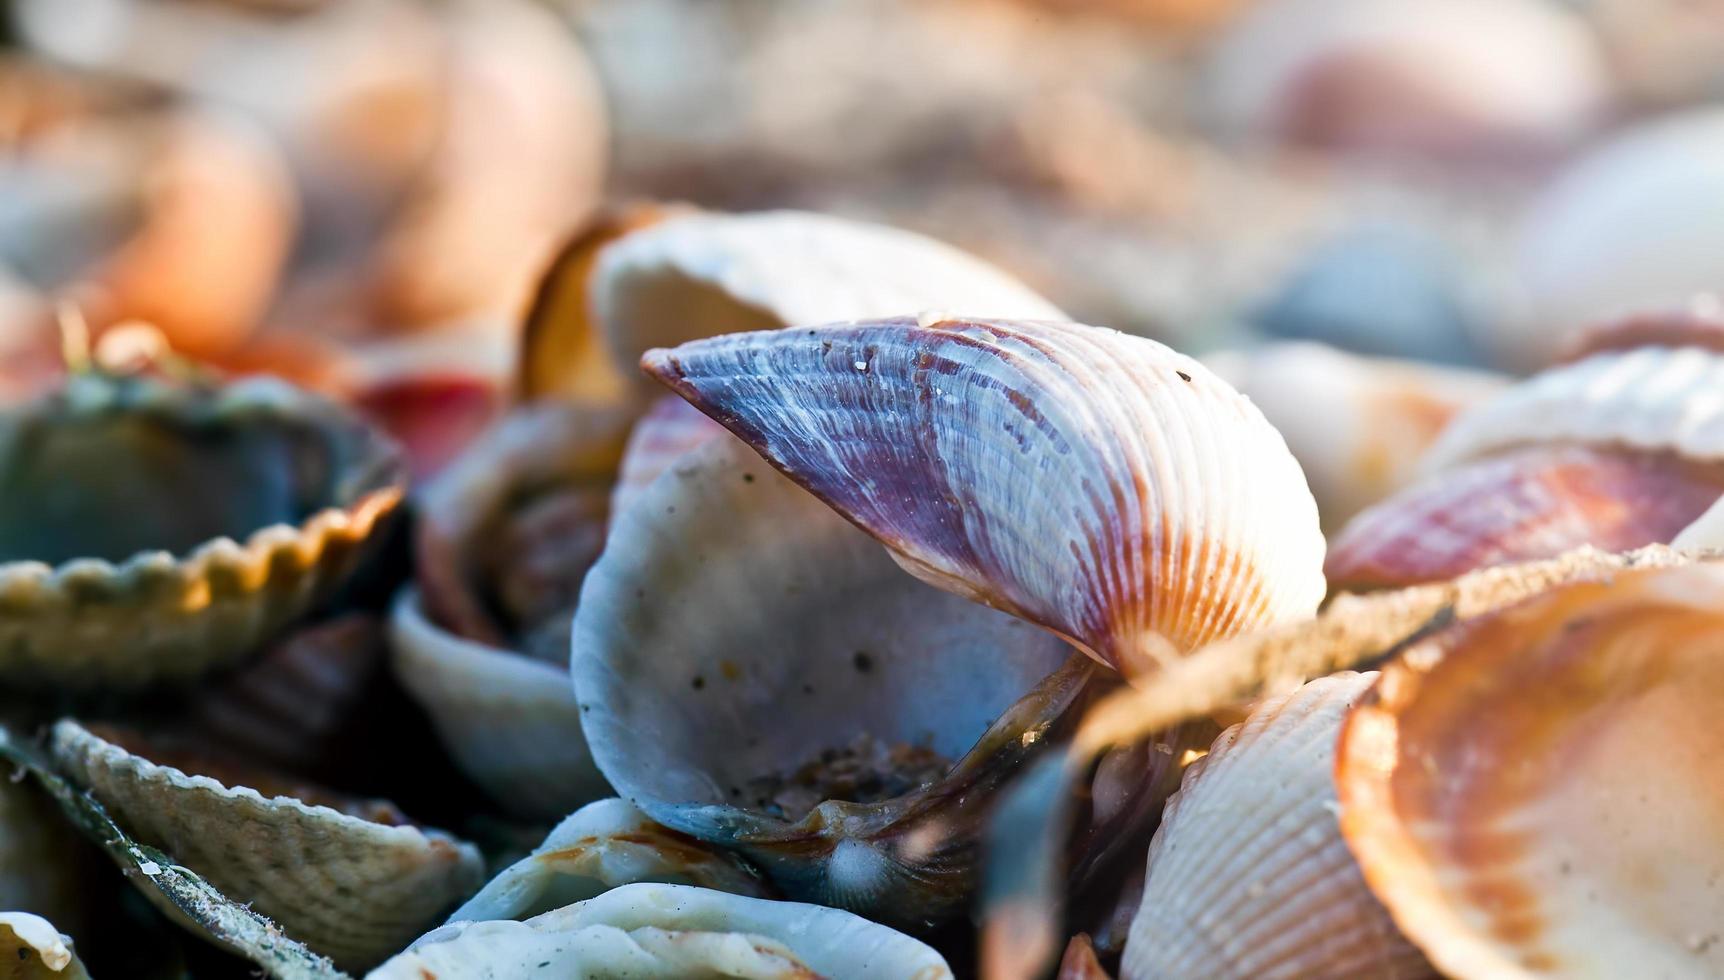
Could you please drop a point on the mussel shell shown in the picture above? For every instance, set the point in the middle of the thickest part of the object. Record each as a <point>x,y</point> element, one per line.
<point>1248,875</point>
<point>348,886</point>
<point>1097,484</point>
<point>153,531</point>
<point>1520,505</point>
<point>735,628</point>
<point>1535,792</point>
<point>670,932</point>
<point>509,721</point>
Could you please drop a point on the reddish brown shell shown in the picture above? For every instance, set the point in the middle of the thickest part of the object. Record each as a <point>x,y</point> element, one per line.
<point>1698,324</point>
<point>1525,504</point>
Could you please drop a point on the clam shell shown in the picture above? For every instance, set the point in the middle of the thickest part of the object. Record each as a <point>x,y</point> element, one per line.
<point>726,596</point>
<point>692,275</point>
<point>1248,875</point>
<point>156,616</point>
<point>1523,504</point>
<point>33,949</point>
<point>1357,425</point>
<point>1652,398</point>
<point>1413,77</point>
<point>1631,225</point>
<point>604,845</point>
<point>1097,484</point>
<point>673,932</point>
<point>348,887</point>
<point>1535,793</point>
<point>510,721</point>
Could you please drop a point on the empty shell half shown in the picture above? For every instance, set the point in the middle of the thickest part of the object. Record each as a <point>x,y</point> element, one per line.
<point>1248,874</point>
<point>350,878</point>
<point>1098,484</point>
<point>673,932</point>
<point>604,845</point>
<point>727,596</point>
<point>507,533</point>
<point>655,278</point>
<point>151,531</point>
<point>1535,793</point>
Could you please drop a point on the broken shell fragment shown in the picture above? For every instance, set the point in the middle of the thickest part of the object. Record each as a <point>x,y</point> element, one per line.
<point>1534,793</point>
<point>153,531</point>
<point>1097,484</point>
<point>32,949</point>
<point>603,845</point>
<point>656,279</point>
<point>1248,874</point>
<point>1621,449</point>
<point>727,595</point>
<point>673,932</point>
<point>348,877</point>
<point>1357,425</point>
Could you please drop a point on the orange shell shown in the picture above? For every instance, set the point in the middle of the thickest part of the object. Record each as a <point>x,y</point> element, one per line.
<point>1539,792</point>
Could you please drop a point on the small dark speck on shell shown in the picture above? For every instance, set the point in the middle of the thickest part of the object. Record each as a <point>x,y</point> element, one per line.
<point>698,682</point>
<point>748,477</point>
<point>864,663</point>
<point>1183,376</point>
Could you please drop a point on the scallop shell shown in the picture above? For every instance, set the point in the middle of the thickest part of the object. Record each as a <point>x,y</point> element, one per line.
<point>603,845</point>
<point>1097,484</point>
<point>670,932</point>
<point>1357,425</point>
<point>1520,505</point>
<point>727,595</point>
<point>1630,225</point>
<point>1462,78</point>
<point>1535,793</point>
<point>1248,875</point>
<point>656,279</point>
<point>510,721</point>
<point>33,949</point>
<point>1652,398</point>
<point>131,601</point>
<point>349,887</point>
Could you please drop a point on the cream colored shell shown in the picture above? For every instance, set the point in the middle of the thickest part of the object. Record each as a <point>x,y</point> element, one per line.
<point>673,932</point>
<point>347,887</point>
<point>32,949</point>
<point>1248,875</point>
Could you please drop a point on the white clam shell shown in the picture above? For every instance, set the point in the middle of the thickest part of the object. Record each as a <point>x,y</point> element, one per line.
<point>1635,224</point>
<point>1488,68</point>
<point>1358,425</point>
<point>33,949</point>
<point>510,721</point>
<point>1248,875</point>
<point>1654,398</point>
<point>604,845</point>
<point>1098,484</point>
<point>672,932</point>
<point>350,888</point>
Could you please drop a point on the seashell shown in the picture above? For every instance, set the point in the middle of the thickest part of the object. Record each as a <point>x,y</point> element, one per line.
<point>104,585</point>
<point>1700,323</point>
<point>669,430</point>
<point>1465,80</point>
<point>1097,484</point>
<point>435,393</point>
<point>1356,425</point>
<point>670,932</point>
<point>355,883</point>
<point>1629,226</point>
<point>510,721</point>
<point>653,278</point>
<point>603,845</point>
<point>1248,874</point>
<point>1522,505</point>
<point>33,949</point>
<point>725,595</point>
<point>1534,793</point>
<point>1621,449</point>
